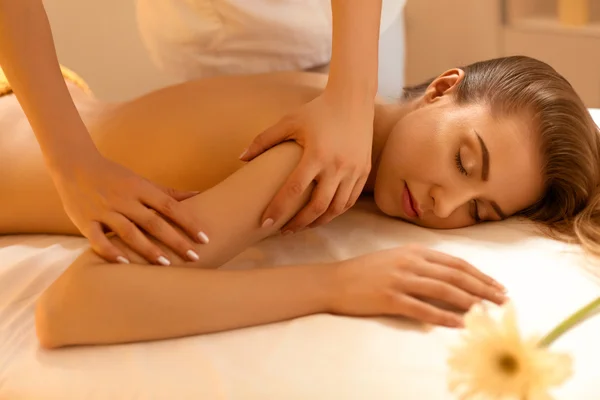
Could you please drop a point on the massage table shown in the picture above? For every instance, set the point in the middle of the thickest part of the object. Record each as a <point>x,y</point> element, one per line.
<point>315,357</point>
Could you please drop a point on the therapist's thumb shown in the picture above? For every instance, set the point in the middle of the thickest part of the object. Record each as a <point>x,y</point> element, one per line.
<point>267,139</point>
<point>177,194</point>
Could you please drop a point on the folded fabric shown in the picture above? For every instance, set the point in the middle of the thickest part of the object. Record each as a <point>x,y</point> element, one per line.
<point>202,38</point>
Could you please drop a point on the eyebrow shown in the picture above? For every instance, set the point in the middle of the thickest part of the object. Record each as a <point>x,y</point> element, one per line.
<point>485,158</point>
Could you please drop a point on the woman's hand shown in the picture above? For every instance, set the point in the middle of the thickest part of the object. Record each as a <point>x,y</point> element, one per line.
<point>337,138</point>
<point>398,281</point>
<point>100,195</point>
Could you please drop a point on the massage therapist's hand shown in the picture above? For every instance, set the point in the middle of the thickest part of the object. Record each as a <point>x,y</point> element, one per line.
<point>397,281</point>
<point>99,194</point>
<point>337,139</point>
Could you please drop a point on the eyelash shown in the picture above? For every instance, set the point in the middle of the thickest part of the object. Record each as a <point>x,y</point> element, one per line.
<point>459,165</point>
<point>475,215</point>
<point>463,171</point>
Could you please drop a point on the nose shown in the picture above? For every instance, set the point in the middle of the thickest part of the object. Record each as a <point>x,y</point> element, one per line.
<point>447,200</point>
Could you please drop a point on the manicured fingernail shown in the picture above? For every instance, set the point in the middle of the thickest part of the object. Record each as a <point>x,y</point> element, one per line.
<point>286,233</point>
<point>122,260</point>
<point>243,153</point>
<point>268,222</point>
<point>192,255</point>
<point>203,238</point>
<point>163,261</point>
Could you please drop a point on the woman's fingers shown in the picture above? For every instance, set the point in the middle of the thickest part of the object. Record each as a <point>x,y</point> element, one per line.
<point>461,265</point>
<point>435,289</point>
<point>458,278</point>
<point>413,308</point>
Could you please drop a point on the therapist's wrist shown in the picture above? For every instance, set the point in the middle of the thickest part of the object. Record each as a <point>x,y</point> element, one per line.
<point>355,102</point>
<point>71,156</point>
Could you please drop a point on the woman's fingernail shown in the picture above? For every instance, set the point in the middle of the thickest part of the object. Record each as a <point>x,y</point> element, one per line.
<point>203,238</point>
<point>192,255</point>
<point>458,322</point>
<point>286,233</point>
<point>122,260</point>
<point>499,296</point>
<point>243,153</point>
<point>268,222</point>
<point>163,261</point>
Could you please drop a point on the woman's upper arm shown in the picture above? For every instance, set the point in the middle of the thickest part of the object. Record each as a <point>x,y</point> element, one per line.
<point>231,211</point>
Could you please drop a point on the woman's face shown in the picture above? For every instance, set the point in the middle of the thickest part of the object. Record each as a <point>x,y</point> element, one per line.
<point>450,166</point>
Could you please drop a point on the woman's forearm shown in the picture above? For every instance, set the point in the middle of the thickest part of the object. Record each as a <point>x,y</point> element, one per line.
<point>355,49</point>
<point>105,304</point>
<point>29,61</point>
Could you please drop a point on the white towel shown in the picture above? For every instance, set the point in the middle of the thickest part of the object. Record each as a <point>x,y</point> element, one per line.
<point>191,39</point>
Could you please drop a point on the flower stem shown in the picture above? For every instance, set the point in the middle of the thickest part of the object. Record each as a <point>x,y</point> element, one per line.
<point>569,323</point>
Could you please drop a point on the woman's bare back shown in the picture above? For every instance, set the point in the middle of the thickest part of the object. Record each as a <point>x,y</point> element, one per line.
<point>187,136</point>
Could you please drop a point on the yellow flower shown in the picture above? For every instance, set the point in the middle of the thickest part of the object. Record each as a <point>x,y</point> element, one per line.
<point>493,361</point>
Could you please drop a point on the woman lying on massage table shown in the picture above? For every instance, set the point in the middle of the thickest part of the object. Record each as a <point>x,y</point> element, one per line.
<point>495,139</point>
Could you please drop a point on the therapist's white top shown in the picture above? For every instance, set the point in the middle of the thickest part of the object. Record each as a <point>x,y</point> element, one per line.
<point>200,38</point>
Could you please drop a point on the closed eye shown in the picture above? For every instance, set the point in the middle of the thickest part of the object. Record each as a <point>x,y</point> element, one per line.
<point>473,207</point>
<point>459,164</point>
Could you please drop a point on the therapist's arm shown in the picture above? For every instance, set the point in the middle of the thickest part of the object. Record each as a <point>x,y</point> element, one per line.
<point>335,129</point>
<point>353,76</point>
<point>95,192</point>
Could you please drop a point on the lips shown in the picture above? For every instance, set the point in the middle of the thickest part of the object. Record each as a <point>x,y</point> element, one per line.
<point>408,203</point>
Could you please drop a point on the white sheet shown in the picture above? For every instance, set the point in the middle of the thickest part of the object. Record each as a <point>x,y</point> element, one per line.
<point>317,357</point>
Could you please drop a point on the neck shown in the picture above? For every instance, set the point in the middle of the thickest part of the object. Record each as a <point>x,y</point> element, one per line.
<point>385,119</point>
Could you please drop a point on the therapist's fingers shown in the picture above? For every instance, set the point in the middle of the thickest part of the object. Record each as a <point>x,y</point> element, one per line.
<point>338,204</point>
<point>131,235</point>
<point>180,214</point>
<point>102,245</point>
<point>272,136</point>
<point>356,191</point>
<point>160,229</point>
<point>321,198</point>
<point>178,195</point>
<point>291,192</point>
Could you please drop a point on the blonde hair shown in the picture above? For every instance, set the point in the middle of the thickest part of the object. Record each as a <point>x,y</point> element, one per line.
<point>568,137</point>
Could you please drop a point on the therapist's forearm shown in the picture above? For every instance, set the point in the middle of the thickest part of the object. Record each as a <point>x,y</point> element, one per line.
<point>28,58</point>
<point>355,49</point>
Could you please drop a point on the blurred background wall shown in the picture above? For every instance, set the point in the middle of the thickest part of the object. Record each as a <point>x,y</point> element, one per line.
<point>442,34</point>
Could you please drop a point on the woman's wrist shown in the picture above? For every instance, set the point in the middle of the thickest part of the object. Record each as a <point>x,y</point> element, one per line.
<point>338,282</point>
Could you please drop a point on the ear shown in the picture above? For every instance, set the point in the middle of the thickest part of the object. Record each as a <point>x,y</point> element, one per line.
<point>444,84</point>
